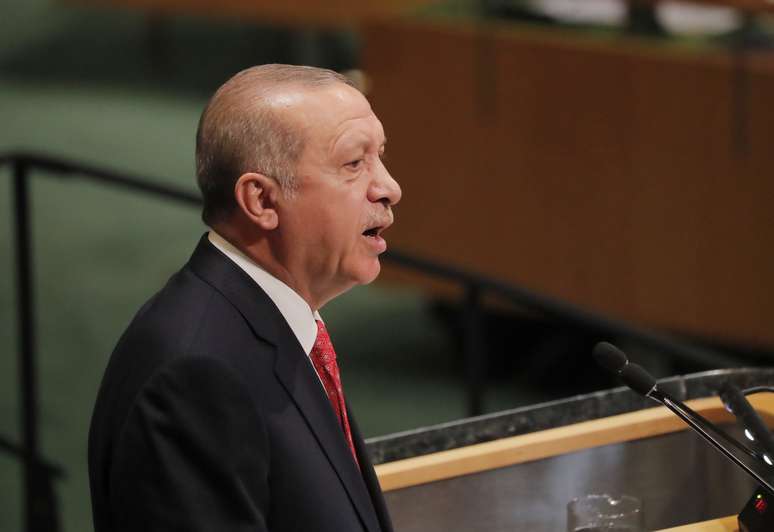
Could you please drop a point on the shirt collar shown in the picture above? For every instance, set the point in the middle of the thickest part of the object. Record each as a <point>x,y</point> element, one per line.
<point>296,311</point>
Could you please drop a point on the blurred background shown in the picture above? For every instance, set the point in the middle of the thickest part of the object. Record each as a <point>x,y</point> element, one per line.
<point>573,170</point>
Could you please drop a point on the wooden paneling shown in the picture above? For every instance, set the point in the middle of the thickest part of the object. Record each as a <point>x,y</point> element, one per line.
<point>330,13</point>
<point>631,178</point>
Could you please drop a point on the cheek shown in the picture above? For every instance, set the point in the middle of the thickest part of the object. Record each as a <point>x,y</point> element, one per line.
<point>336,234</point>
<point>347,219</point>
<point>338,220</point>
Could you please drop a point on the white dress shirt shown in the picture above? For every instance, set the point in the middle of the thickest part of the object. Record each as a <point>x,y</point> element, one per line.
<point>296,311</point>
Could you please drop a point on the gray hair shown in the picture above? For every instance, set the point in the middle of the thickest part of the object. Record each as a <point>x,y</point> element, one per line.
<point>240,132</point>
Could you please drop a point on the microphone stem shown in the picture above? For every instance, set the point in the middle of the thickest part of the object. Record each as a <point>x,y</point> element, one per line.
<point>711,434</point>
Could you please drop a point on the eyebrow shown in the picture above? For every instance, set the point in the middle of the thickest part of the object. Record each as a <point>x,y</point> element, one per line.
<point>361,143</point>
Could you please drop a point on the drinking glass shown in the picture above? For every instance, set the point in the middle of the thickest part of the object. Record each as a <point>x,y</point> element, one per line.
<point>605,513</point>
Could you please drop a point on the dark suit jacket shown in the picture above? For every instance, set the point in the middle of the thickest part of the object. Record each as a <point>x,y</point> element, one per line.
<point>210,417</point>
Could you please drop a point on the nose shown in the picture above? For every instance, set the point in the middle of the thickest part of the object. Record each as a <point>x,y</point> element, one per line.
<point>384,188</point>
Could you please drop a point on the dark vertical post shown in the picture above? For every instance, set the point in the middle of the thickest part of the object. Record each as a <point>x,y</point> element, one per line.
<point>474,351</point>
<point>158,42</point>
<point>26,325</point>
<point>740,113</point>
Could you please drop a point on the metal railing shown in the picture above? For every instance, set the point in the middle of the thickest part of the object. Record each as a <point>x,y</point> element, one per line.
<point>40,504</point>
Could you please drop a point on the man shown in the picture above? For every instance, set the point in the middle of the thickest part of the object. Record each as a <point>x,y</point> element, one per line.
<point>221,408</point>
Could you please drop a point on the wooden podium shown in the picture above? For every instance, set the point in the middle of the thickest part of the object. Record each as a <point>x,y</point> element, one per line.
<point>725,524</point>
<point>523,482</point>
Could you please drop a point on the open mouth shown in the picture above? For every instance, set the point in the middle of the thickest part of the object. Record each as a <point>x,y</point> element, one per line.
<point>373,232</point>
<point>374,239</point>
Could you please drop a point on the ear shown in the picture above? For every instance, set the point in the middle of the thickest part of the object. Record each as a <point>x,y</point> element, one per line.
<point>256,195</point>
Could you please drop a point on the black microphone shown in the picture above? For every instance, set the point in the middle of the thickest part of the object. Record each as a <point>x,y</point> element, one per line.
<point>638,379</point>
<point>633,375</point>
<point>755,429</point>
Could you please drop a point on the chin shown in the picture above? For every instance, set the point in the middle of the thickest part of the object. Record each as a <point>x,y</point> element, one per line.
<point>368,273</point>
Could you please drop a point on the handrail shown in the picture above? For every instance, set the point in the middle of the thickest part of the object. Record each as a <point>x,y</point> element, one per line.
<point>39,473</point>
<point>65,167</point>
<point>565,312</point>
<point>551,307</point>
<point>55,470</point>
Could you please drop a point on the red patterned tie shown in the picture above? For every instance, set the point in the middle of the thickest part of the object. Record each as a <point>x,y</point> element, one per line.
<point>324,361</point>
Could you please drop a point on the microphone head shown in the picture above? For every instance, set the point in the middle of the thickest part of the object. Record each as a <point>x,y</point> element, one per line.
<point>610,357</point>
<point>615,361</point>
<point>639,380</point>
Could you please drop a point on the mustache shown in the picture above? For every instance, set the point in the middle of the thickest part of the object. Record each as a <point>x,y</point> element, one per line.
<point>380,219</point>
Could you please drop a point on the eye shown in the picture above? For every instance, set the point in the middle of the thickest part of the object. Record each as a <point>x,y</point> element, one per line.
<point>355,165</point>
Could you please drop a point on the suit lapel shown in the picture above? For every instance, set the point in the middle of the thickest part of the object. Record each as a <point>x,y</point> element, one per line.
<point>292,367</point>
<point>300,380</point>
<point>217,270</point>
<point>369,475</point>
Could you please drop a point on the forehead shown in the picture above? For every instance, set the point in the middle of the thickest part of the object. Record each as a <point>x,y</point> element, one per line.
<point>333,116</point>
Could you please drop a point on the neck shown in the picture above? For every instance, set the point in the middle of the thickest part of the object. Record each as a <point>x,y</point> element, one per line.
<point>266,253</point>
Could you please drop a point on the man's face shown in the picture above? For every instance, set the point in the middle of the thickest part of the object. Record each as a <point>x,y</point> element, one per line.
<point>331,226</point>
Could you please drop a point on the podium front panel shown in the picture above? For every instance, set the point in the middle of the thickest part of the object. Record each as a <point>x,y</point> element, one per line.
<point>678,477</point>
